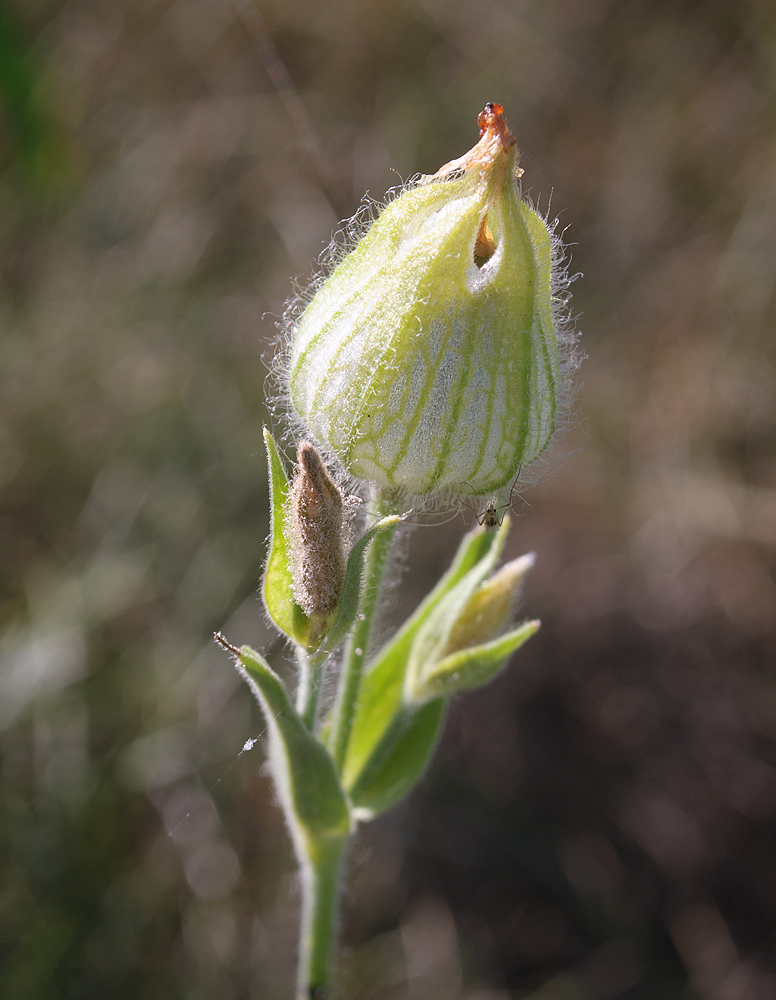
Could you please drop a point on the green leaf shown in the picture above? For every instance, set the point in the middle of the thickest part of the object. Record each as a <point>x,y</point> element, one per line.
<point>351,587</point>
<point>432,637</point>
<point>471,668</point>
<point>304,773</point>
<point>380,697</point>
<point>390,777</point>
<point>278,584</point>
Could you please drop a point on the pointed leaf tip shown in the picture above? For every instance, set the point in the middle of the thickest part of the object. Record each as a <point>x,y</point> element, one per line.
<point>307,783</point>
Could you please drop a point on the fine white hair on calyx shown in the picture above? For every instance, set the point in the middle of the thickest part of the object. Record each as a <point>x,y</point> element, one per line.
<point>570,355</point>
<point>285,419</point>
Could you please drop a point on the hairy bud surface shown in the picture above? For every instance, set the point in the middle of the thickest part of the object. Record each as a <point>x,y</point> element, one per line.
<point>315,532</point>
<point>429,359</point>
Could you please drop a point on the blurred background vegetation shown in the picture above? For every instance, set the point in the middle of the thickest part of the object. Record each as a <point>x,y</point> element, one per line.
<point>599,823</point>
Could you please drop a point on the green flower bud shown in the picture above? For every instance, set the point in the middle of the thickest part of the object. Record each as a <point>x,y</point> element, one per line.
<point>490,608</point>
<point>464,643</point>
<point>429,358</point>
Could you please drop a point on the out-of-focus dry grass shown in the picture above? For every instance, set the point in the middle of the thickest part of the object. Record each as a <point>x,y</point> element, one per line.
<point>600,822</point>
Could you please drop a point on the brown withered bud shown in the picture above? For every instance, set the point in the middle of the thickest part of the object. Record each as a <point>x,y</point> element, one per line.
<point>315,530</point>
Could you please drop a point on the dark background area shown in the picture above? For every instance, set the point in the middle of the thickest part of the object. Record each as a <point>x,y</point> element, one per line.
<point>600,822</point>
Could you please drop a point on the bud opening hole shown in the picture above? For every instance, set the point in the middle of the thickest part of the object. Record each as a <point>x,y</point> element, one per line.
<point>486,242</point>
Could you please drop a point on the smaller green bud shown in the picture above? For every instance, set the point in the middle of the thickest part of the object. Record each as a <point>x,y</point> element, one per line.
<point>464,643</point>
<point>490,608</point>
<point>314,529</point>
<point>472,667</point>
<point>431,357</point>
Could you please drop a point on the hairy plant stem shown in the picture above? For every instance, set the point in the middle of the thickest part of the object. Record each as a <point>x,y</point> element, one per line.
<point>309,690</point>
<point>321,859</point>
<point>357,646</point>
<point>321,883</point>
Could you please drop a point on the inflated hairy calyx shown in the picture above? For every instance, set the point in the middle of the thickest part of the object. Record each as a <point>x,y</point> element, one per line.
<point>429,358</point>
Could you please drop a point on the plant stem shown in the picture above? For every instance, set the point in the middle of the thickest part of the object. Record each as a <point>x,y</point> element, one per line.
<point>308,692</point>
<point>357,647</point>
<point>321,878</point>
<point>321,859</point>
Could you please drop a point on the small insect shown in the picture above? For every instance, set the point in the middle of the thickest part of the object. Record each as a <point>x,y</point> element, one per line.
<point>490,516</point>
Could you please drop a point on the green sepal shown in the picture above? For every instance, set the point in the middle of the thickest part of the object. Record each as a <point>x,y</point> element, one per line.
<point>351,587</point>
<point>469,668</point>
<point>380,697</point>
<point>278,588</point>
<point>305,777</point>
<point>432,638</point>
